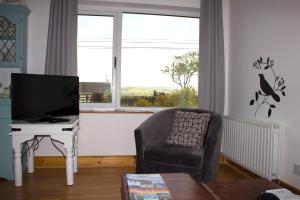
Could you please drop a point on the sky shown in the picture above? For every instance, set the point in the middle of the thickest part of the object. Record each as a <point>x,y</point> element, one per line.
<point>149,43</point>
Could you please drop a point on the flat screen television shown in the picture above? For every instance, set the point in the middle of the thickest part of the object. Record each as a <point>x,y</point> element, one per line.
<point>39,98</point>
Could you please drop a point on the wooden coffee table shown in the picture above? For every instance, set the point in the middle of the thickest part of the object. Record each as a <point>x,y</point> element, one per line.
<point>182,186</point>
<point>247,189</point>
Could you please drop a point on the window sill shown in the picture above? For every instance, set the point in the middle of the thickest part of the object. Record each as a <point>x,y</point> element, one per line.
<point>121,110</point>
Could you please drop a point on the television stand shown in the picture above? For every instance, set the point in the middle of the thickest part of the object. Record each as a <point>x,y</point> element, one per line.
<point>53,120</point>
<point>66,132</point>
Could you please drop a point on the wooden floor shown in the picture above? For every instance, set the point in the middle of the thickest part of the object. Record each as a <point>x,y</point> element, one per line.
<point>90,184</point>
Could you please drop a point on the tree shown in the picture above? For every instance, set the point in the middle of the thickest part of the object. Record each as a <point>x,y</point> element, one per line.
<point>183,68</point>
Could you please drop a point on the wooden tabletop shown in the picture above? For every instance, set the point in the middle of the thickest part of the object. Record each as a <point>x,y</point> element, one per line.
<point>181,186</point>
<point>247,189</point>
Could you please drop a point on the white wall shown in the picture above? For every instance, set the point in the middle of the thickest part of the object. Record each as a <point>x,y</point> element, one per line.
<point>37,35</point>
<point>102,134</point>
<point>267,28</point>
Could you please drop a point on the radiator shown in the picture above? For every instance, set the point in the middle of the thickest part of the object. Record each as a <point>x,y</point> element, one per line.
<point>252,144</point>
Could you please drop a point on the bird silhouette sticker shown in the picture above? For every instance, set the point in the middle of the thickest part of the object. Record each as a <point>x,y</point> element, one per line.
<point>267,89</point>
<point>270,89</point>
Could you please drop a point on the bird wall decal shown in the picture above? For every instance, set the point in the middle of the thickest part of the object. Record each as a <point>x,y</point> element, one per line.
<point>267,89</point>
<point>267,95</point>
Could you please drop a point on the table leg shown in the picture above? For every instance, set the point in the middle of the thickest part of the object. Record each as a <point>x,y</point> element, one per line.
<point>17,141</point>
<point>75,154</point>
<point>68,145</point>
<point>69,166</point>
<point>30,160</point>
<point>18,166</point>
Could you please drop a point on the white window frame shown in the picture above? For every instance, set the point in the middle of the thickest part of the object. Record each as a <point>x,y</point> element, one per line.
<point>89,106</point>
<point>116,10</point>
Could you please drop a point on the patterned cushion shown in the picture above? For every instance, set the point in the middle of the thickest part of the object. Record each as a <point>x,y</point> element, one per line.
<point>189,129</point>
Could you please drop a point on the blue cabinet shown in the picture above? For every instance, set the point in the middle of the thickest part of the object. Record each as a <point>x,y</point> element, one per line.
<point>6,153</point>
<point>13,54</point>
<point>13,36</point>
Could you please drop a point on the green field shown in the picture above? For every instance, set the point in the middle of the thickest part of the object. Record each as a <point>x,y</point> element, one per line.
<point>145,91</point>
<point>158,97</point>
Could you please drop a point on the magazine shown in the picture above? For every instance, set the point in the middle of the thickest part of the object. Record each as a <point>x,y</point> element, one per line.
<point>284,194</point>
<point>147,187</point>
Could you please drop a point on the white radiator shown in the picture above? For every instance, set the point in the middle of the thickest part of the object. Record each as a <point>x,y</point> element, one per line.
<point>252,144</point>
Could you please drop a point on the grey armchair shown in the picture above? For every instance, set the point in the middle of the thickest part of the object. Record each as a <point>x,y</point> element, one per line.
<point>154,155</point>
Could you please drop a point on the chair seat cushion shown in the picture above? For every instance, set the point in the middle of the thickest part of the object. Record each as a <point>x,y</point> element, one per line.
<point>175,154</point>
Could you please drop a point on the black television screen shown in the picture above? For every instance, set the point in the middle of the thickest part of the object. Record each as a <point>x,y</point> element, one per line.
<point>35,97</point>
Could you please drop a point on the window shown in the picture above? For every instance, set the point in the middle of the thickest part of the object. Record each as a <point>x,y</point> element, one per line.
<point>95,50</point>
<point>138,60</point>
<point>156,52</point>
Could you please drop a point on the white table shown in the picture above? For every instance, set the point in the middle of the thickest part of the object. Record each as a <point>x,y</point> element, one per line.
<point>65,132</point>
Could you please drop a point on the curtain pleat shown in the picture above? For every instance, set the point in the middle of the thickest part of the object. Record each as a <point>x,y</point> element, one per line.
<point>61,55</point>
<point>211,72</point>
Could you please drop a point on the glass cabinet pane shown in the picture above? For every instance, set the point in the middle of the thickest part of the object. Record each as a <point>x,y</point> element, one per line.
<point>7,40</point>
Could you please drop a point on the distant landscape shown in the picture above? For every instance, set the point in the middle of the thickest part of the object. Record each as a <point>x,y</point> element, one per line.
<point>158,97</point>
<point>145,91</point>
<point>147,97</point>
<point>180,71</point>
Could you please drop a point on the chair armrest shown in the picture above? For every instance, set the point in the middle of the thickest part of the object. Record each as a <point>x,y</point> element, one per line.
<point>212,147</point>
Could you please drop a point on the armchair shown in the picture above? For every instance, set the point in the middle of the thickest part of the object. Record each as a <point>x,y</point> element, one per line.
<point>154,155</point>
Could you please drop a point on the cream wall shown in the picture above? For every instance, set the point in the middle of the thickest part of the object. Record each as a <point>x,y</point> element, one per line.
<point>37,35</point>
<point>267,28</point>
<point>102,134</point>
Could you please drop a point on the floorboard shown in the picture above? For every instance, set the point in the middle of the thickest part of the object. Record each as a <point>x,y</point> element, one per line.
<point>90,184</point>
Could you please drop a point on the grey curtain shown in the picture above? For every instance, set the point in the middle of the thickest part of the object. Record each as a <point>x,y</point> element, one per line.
<point>61,55</point>
<point>211,72</point>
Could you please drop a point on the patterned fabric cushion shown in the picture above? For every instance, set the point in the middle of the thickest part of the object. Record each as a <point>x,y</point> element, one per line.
<point>189,129</point>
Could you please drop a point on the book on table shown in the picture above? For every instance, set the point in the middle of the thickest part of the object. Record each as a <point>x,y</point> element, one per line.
<point>147,187</point>
<point>284,194</point>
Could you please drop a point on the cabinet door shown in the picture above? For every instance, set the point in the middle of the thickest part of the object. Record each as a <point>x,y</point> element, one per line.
<point>6,153</point>
<point>10,52</point>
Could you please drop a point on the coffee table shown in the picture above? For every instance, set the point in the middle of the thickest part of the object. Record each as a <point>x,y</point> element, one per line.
<point>182,186</point>
<point>247,189</point>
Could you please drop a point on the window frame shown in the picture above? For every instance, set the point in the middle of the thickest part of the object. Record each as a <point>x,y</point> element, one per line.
<point>89,106</point>
<point>116,11</point>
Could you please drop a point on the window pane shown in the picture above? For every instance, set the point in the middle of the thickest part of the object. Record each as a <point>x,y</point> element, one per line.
<point>94,46</point>
<point>159,61</point>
